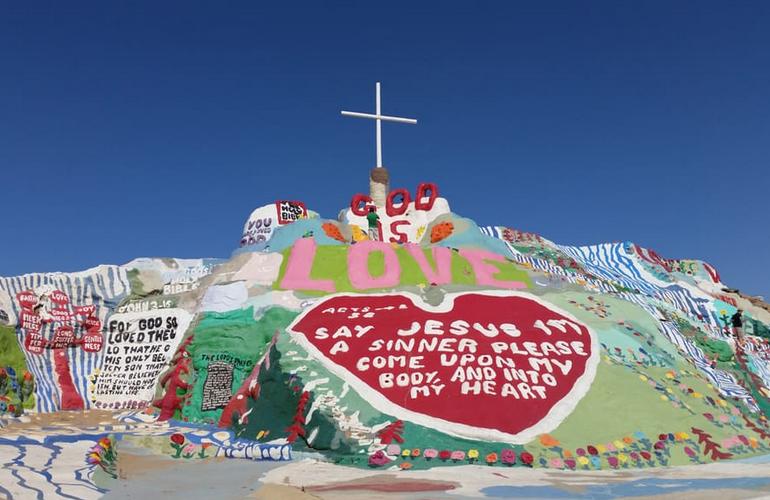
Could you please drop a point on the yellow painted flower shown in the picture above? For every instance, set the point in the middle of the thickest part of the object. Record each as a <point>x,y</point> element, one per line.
<point>473,453</point>
<point>642,378</point>
<point>405,452</point>
<point>669,374</point>
<point>582,460</point>
<point>663,397</point>
<point>722,402</point>
<point>601,448</point>
<point>697,394</point>
<point>681,436</point>
<point>668,390</point>
<point>619,444</point>
<point>622,458</point>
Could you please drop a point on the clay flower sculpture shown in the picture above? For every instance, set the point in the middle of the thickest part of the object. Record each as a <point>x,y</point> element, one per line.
<point>526,458</point>
<point>378,459</point>
<point>415,453</point>
<point>444,455</point>
<point>405,466</point>
<point>177,442</point>
<point>394,450</point>
<point>508,456</point>
<point>457,455</point>
<point>473,455</point>
<point>430,453</point>
<point>491,458</point>
<point>406,453</point>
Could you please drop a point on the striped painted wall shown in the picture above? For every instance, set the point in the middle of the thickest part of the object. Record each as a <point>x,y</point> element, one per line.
<point>102,286</point>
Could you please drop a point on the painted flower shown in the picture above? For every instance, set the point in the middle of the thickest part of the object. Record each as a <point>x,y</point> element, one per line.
<point>105,443</point>
<point>557,463</point>
<point>570,463</point>
<point>724,419</point>
<point>634,456</point>
<point>682,436</point>
<point>430,453</point>
<point>526,458</point>
<point>611,447</point>
<point>378,458</point>
<point>177,439</point>
<point>508,456</point>
<point>415,452</point>
<point>473,454</point>
<point>405,465</point>
<point>735,411</point>
<point>601,448</point>
<point>458,455</point>
<point>639,435</point>
<point>583,460</point>
<point>491,458</point>
<point>709,417</point>
<point>406,453</point>
<point>567,454</point>
<point>744,440</point>
<point>645,455</point>
<point>190,448</point>
<point>580,452</point>
<point>445,455</point>
<point>670,436</point>
<point>622,458</point>
<point>628,439</point>
<point>596,462</point>
<point>613,461</point>
<point>592,450</point>
<point>394,450</point>
<point>753,443</point>
<point>97,448</point>
<point>689,451</point>
<point>548,441</point>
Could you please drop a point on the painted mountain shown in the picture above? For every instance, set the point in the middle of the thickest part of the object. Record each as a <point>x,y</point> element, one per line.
<point>426,341</point>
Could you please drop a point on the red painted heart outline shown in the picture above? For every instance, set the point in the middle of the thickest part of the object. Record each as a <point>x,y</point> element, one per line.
<point>551,417</point>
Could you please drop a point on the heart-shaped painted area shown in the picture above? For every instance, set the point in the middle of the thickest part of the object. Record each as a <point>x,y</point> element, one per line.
<point>493,365</point>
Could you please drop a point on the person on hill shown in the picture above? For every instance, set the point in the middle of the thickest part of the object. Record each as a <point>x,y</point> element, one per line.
<point>373,219</point>
<point>737,322</point>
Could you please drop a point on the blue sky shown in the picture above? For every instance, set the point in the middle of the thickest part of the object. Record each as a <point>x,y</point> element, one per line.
<point>129,130</point>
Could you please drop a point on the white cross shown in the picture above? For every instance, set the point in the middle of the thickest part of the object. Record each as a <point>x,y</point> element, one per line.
<point>380,118</point>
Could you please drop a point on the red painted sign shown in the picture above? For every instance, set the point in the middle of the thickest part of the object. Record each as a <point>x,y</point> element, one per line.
<point>493,365</point>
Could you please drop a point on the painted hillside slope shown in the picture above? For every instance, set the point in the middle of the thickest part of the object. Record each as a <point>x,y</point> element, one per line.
<point>441,344</point>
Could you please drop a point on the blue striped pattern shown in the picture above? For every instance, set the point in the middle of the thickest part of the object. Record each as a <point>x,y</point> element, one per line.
<point>612,262</point>
<point>103,286</point>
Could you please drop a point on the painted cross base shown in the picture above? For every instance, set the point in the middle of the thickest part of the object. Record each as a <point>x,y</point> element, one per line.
<point>379,185</point>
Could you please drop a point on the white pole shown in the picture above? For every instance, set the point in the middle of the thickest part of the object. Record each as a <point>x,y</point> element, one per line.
<point>379,129</point>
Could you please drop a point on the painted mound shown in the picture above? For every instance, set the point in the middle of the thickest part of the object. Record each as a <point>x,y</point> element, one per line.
<point>438,343</point>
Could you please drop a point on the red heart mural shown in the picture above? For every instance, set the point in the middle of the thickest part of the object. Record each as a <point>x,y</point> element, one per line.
<point>494,365</point>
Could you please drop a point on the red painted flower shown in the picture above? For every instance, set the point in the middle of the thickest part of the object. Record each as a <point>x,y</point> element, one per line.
<point>444,454</point>
<point>662,437</point>
<point>526,458</point>
<point>645,455</point>
<point>592,450</point>
<point>660,445</point>
<point>177,439</point>
<point>744,439</point>
<point>508,456</point>
<point>570,463</point>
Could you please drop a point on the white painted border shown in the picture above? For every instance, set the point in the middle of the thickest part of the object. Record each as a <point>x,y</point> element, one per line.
<point>558,412</point>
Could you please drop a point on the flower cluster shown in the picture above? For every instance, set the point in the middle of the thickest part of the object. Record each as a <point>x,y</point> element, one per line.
<point>104,455</point>
<point>186,450</point>
<point>506,456</point>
